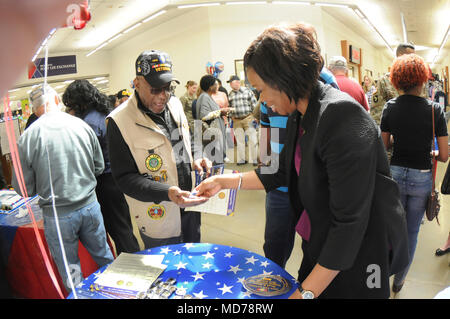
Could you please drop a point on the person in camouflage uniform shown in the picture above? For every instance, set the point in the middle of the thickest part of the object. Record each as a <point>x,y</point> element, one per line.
<point>186,101</point>
<point>386,90</point>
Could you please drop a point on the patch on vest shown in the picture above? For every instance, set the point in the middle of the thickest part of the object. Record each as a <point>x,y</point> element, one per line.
<point>156,212</point>
<point>153,162</point>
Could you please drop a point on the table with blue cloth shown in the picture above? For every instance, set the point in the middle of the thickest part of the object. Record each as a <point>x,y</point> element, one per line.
<point>204,271</point>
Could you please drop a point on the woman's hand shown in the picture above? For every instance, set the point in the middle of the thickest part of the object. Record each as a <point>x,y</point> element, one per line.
<point>209,187</point>
<point>184,198</point>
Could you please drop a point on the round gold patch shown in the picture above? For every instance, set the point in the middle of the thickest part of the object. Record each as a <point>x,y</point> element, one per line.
<point>153,162</point>
<point>156,211</point>
<point>221,195</point>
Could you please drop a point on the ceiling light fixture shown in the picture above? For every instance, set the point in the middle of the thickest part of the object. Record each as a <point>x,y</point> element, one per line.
<point>245,2</point>
<point>441,47</point>
<point>292,2</point>
<point>118,35</point>
<point>132,28</point>
<point>154,16</point>
<point>363,17</point>
<point>326,4</point>
<point>187,6</point>
<point>47,38</point>
<point>115,37</point>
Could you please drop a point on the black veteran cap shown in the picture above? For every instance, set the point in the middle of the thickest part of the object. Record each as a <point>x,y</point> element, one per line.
<point>156,67</point>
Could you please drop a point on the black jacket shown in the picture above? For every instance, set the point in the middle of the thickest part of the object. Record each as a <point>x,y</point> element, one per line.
<point>344,184</point>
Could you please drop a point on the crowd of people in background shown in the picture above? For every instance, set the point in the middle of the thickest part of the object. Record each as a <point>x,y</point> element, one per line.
<point>243,120</point>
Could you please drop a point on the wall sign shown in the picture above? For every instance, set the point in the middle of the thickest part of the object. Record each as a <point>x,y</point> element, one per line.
<point>57,65</point>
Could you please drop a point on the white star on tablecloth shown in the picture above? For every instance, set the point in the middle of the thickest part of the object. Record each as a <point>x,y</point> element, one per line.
<point>267,273</point>
<point>228,255</point>
<point>241,280</point>
<point>200,295</point>
<point>246,294</point>
<point>165,250</point>
<point>181,265</point>
<point>251,260</point>
<point>235,269</point>
<point>198,276</point>
<point>207,265</point>
<point>225,289</point>
<point>188,245</point>
<point>176,252</point>
<point>208,255</point>
<point>264,264</point>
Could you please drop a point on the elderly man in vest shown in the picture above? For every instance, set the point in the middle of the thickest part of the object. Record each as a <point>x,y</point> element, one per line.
<point>151,158</point>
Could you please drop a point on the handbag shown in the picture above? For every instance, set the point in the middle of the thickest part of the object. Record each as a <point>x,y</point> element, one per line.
<point>433,203</point>
<point>445,187</point>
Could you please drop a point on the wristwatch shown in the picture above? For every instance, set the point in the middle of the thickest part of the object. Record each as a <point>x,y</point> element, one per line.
<point>306,294</point>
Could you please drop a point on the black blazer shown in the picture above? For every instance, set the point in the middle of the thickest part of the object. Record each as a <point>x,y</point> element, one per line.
<point>351,230</point>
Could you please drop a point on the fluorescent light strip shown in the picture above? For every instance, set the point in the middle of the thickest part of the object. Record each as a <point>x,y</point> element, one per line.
<point>154,16</point>
<point>187,6</point>
<point>292,2</point>
<point>115,38</point>
<point>133,27</point>
<point>13,90</point>
<point>245,2</point>
<point>325,4</point>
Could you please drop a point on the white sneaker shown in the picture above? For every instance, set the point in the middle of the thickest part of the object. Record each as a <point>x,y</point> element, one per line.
<point>226,160</point>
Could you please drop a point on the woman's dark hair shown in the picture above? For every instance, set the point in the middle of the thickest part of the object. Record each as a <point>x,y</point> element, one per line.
<point>82,97</point>
<point>287,58</point>
<point>206,82</point>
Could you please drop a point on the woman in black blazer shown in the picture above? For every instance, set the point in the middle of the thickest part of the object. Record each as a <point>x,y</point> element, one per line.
<point>336,168</point>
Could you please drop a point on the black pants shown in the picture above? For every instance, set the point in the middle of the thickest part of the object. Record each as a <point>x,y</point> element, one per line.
<point>116,214</point>
<point>5,292</point>
<point>190,226</point>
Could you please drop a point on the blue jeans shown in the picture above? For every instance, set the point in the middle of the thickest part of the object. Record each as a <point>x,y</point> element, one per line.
<point>415,187</point>
<point>279,233</point>
<point>86,225</point>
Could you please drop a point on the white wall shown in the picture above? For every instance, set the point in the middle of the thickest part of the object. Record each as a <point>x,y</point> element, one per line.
<point>373,59</point>
<point>223,34</point>
<point>233,28</point>
<point>184,38</point>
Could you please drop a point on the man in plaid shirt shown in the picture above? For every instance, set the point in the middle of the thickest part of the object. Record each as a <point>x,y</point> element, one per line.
<point>243,101</point>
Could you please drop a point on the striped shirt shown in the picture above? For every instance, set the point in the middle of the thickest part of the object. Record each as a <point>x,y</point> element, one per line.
<point>277,124</point>
<point>243,100</point>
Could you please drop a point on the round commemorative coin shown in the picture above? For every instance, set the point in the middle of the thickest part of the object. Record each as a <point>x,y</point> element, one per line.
<point>267,285</point>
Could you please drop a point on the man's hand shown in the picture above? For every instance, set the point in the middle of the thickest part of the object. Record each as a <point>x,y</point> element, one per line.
<point>203,163</point>
<point>184,198</point>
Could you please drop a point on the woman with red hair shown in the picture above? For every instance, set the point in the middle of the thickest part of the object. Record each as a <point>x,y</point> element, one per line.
<point>406,125</point>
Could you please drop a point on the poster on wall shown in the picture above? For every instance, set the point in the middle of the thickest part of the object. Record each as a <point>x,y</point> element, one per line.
<point>57,65</point>
<point>355,55</point>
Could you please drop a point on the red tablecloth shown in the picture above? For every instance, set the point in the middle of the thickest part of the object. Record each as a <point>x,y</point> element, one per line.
<point>26,271</point>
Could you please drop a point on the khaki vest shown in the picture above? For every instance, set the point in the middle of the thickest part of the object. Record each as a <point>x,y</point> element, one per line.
<point>153,154</point>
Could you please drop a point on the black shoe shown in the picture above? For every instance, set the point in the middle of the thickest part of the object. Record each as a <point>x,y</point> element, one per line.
<point>243,163</point>
<point>396,288</point>
<point>440,252</point>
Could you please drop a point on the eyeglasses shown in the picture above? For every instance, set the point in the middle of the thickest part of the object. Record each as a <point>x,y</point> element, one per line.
<point>166,89</point>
